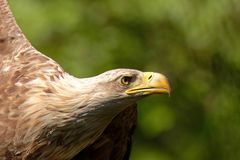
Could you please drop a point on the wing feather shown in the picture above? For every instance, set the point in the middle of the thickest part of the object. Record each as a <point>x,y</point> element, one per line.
<point>11,36</point>
<point>20,63</point>
<point>15,48</point>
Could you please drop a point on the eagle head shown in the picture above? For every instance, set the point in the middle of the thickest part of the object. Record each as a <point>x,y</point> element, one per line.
<point>121,87</point>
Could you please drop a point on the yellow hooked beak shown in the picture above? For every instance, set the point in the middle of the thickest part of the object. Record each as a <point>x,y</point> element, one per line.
<point>152,83</point>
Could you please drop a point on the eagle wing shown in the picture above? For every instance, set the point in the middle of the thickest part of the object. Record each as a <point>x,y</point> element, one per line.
<point>15,48</point>
<point>11,37</point>
<point>115,142</point>
<point>20,63</point>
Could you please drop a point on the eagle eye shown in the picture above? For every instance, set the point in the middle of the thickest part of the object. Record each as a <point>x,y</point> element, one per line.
<point>126,80</point>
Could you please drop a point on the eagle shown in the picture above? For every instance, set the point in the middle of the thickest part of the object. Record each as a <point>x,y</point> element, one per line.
<point>46,113</point>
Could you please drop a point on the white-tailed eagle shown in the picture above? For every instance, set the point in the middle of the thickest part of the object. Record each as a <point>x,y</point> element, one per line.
<point>45,113</point>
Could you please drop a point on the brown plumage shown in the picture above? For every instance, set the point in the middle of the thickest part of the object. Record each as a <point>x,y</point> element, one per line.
<point>46,113</point>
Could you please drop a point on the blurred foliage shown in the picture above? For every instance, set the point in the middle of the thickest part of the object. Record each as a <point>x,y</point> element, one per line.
<point>196,43</point>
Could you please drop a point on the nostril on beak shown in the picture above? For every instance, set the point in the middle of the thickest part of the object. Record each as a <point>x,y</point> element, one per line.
<point>150,77</point>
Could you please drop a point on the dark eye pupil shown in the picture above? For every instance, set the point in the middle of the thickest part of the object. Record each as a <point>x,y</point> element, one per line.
<point>126,80</point>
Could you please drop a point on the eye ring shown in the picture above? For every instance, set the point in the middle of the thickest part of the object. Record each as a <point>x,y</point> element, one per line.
<point>126,80</point>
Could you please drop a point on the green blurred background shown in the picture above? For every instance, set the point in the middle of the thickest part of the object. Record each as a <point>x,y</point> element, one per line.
<point>196,43</point>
